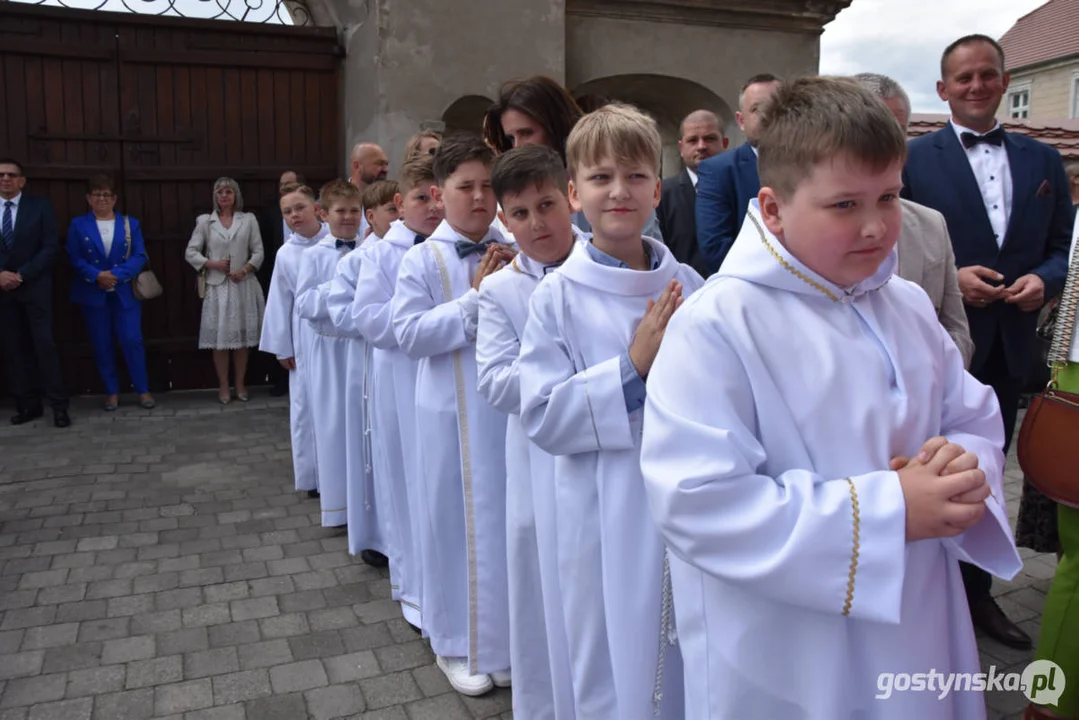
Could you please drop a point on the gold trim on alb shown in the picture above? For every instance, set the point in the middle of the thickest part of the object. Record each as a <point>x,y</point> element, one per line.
<point>856,511</point>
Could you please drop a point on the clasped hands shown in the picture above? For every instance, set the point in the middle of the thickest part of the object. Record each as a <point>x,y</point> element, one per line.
<point>1028,291</point>
<point>223,266</point>
<point>496,257</point>
<point>944,490</point>
<point>9,280</point>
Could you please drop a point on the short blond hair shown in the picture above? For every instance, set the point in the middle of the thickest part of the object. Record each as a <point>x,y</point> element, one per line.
<point>338,191</point>
<point>616,130</point>
<point>815,119</point>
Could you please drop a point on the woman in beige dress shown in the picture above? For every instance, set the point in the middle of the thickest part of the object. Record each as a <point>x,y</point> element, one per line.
<point>226,247</point>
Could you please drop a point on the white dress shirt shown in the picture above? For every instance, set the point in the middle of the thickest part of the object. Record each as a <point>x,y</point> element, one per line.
<point>14,209</point>
<point>692,177</point>
<point>994,176</point>
<point>106,228</point>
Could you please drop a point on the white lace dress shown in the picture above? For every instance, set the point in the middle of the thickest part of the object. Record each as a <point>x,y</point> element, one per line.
<point>232,311</point>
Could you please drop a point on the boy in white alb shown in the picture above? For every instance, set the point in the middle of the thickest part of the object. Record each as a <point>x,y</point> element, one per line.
<point>284,332</point>
<point>366,527</point>
<point>394,440</point>
<point>530,184</point>
<point>803,567</point>
<point>328,351</point>
<point>461,438</point>
<point>594,327</point>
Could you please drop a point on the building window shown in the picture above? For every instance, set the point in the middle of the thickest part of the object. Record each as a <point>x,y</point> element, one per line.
<point>1019,104</point>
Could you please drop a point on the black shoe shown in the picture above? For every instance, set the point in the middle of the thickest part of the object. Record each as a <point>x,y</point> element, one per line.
<point>313,494</point>
<point>374,558</point>
<point>990,619</point>
<point>61,419</point>
<point>26,416</point>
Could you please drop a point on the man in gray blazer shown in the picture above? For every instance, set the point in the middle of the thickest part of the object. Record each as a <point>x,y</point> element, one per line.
<point>925,250</point>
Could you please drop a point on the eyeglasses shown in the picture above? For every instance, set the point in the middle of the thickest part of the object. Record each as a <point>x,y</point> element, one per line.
<point>101,195</point>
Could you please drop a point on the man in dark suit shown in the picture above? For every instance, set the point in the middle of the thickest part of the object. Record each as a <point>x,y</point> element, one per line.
<point>1005,199</point>
<point>700,139</point>
<point>274,233</point>
<point>28,245</point>
<point>727,183</point>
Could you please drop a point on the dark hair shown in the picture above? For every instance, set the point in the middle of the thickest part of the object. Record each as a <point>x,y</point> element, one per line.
<point>290,188</point>
<point>761,78</point>
<point>967,40</point>
<point>543,100</point>
<point>814,119</point>
<point>379,193</point>
<point>300,179</point>
<point>458,149</point>
<point>12,161</point>
<point>101,181</point>
<point>525,167</point>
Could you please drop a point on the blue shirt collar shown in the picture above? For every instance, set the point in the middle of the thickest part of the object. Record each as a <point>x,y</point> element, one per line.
<point>610,261</point>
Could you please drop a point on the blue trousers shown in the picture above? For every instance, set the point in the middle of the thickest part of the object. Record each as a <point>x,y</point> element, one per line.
<point>125,324</point>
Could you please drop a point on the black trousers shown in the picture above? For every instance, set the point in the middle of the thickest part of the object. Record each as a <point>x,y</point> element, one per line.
<point>278,375</point>
<point>995,374</point>
<point>33,365</point>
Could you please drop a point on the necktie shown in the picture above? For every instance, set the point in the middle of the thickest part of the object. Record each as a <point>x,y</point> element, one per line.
<point>993,137</point>
<point>419,239</point>
<point>465,248</point>
<point>7,232</point>
<point>351,244</point>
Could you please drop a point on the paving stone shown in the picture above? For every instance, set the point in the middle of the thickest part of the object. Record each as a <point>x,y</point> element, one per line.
<point>141,647</point>
<point>184,597</point>
<point>264,654</point>
<point>47,636</point>
<point>390,713</point>
<point>377,611</point>
<point>34,690</point>
<point>65,710</point>
<point>443,707</point>
<point>332,619</point>
<point>302,601</point>
<point>351,667</point>
<point>490,704</point>
<point>157,583</point>
<point>303,549</point>
<point>279,707</point>
<point>226,712</point>
<point>317,645</point>
<point>73,657</point>
<point>107,542</point>
<point>133,705</point>
<point>45,578</point>
<point>213,614</point>
<point>152,623</point>
<point>245,571</point>
<point>80,611</point>
<point>366,637</point>
<point>392,658</point>
<point>352,594</point>
<point>265,552</point>
<point>18,599</point>
<point>432,680</point>
<point>393,689</point>
<point>178,565</point>
<point>202,576</point>
<point>135,569</point>
<point>315,580</point>
<point>130,605</point>
<point>110,629</point>
<point>184,696</point>
<point>28,617</point>
<point>226,592</point>
<point>254,608</point>
<point>10,642</point>
<point>210,662</point>
<point>96,681</point>
<point>236,633</point>
<point>298,676</point>
<point>179,642</point>
<point>281,626</point>
<point>158,671</point>
<point>108,589</point>
<point>241,686</point>
<point>72,592</point>
<point>333,702</point>
<point>96,573</point>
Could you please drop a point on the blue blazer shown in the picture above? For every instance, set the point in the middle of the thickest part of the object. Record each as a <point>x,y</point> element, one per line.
<point>87,254</point>
<point>725,185</point>
<point>938,174</point>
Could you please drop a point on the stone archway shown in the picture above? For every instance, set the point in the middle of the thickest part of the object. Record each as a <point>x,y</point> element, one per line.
<point>666,99</point>
<point>466,113</point>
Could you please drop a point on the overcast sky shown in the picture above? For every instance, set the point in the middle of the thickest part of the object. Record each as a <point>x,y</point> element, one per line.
<point>904,39</point>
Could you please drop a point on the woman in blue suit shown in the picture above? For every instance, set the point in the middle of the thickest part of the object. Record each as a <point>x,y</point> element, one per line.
<point>106,257</point>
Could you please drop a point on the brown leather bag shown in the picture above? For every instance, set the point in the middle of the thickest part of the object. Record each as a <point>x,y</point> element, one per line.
<point>1048,448</point>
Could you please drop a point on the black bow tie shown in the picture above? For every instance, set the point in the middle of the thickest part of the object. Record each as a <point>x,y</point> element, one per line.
<point>341,243</point>
<point>419,238</point>
<point>993,137</point>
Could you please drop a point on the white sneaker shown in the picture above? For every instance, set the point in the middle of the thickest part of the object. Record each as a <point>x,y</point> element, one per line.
<point>502,679</point>
<point>456,670</point>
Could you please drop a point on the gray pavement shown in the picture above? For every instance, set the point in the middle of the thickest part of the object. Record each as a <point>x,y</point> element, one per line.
<point>158,564</point>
